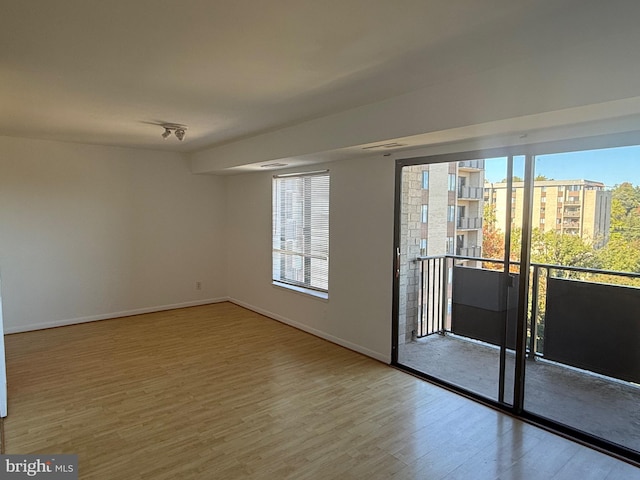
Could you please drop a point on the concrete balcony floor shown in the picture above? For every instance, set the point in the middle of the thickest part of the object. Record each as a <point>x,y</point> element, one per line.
<point>595,404</point>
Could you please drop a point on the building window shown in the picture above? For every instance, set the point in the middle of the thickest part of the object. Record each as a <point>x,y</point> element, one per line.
<point>452,182</point>
<point>451,213</point>
<point>425,179</point>
<point>450,245</point>
<point>301,232</point>
<point>425,213</point>
<point>423,247</point>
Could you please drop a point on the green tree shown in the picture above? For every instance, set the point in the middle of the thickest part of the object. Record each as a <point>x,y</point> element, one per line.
<point>628,196</point>
<point>515,179</point>
<point>557,249</point>
<point>625,212</point>
<point>620,255</point>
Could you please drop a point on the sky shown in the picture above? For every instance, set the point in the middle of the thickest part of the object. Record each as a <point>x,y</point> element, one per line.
<point>611,166</point>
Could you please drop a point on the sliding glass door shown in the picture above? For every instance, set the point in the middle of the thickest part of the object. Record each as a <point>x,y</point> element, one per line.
<point>517,281</point>
<point>457,275</point>
<point>585,267</point>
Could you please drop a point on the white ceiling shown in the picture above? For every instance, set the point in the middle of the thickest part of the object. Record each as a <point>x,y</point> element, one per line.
<point>106,72</point>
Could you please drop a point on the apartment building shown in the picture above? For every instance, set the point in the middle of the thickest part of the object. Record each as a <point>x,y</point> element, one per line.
<point>452,204</point>
<point>573,207</point>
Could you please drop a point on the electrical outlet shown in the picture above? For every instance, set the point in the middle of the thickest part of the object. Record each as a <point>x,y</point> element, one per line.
<point>198,285</point>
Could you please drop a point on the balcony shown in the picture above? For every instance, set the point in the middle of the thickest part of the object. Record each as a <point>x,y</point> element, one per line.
<point>469,223</point>
<point>469,251</point>
<point>470,193</point>
<point>471,165</point>
<point>583,347</point>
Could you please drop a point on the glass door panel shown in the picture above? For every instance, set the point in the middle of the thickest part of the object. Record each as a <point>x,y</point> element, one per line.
<point>585,255</point>
<point>457,289</point>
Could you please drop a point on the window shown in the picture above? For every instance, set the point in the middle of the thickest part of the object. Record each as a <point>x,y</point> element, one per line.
<point>425,213</point>
<point>423,247</point>
<point>451,213</point>
<point>452,182</point>
<point>450,245</point>
<point>425,179</point>
<point>301,231</point>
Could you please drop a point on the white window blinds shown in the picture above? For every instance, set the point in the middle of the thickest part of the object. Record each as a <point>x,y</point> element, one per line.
<point>301,230</point>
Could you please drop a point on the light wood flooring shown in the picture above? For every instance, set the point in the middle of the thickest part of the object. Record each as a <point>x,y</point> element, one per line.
<point>219,392</point>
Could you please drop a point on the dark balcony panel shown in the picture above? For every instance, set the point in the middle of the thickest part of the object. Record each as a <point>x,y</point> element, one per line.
<point>478,310</point>
<point>594,327</point>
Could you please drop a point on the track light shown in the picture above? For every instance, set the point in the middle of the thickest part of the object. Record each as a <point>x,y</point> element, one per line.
<point>178,130</point>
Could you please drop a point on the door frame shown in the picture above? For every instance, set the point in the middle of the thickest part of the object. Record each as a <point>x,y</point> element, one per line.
<point>529,151</point>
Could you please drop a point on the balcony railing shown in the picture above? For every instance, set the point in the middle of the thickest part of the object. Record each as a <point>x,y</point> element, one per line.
<point>470,193</point>
<point>469,251</point>
<point>471,164</point>
<point>584,318</point>
<point>469,223</point>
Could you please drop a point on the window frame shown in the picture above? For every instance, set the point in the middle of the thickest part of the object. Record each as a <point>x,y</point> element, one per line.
<point>425,179</point>
<point>300,232</point>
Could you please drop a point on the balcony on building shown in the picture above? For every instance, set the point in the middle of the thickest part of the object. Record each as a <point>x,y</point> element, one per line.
<point>470,193</point>
<point>471,165</point>
<point>572,213</point>
<point>474,252</point>
<point>469,223</point>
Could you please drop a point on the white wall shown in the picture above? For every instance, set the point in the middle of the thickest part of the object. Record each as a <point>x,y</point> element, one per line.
<point>358,311</point>
<point>89,232</point>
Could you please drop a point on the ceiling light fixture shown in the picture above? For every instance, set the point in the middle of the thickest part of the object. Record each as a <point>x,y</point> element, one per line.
<point>180,133</point>
<point>178,130</point>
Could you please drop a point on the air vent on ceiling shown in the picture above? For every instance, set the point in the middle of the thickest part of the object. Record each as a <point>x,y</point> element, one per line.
<point>385,145</point>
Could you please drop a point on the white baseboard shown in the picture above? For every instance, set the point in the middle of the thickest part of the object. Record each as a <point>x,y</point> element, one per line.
<point>318,333</point>
<point>107,316</point>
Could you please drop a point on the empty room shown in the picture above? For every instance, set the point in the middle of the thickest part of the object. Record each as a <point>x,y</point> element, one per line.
<point>316,240</point>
